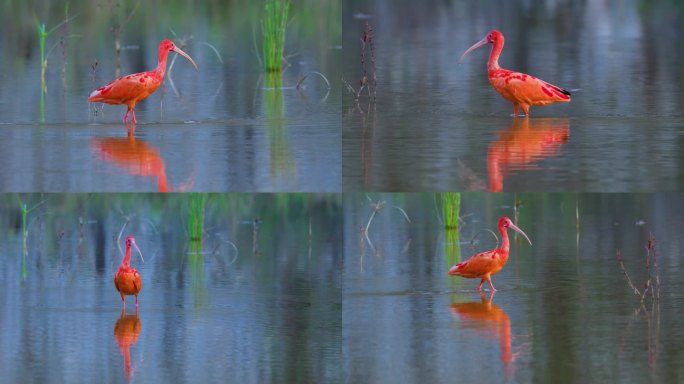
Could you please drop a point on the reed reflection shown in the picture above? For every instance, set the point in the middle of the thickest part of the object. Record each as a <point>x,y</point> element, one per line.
<point>524,143</point>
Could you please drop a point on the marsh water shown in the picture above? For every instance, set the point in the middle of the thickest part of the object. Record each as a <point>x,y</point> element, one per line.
<point>248,303</point>
<point>563,309</point>
<point>437,125</point>
<point>228,127</point>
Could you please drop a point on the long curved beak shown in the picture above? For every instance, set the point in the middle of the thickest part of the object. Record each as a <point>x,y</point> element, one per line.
<point>474,47</point>
<point>513,227</point>
<point>139,253</point>
<point>180,52</point>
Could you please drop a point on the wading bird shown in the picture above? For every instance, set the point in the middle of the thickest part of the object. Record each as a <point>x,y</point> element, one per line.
<point>520,89</point>
<point>128,90</point>
<point>484,265</point>
<point>127,280</point>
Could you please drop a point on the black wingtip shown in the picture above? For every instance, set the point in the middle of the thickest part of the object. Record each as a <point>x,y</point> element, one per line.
<point>561,90</point>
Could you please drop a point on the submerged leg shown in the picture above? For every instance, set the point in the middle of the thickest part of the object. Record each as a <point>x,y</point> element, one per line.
<point>525,107</point>
<point>136,301</point>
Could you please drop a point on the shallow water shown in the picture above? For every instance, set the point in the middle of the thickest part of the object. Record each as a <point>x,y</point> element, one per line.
<point>435,122</point>
<point>563,307</point>
<point>206,312</point>
<point>243,155</point>
<point>500,153</point>
<point>227,127</point>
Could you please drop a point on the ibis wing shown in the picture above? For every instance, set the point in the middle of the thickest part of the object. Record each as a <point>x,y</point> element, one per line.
<point>137,282</point>
<point>521,88</point>
<point>479,264</point>
<point>131,88</point>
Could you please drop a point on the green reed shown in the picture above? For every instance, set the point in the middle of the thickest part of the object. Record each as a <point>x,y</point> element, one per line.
<point>25,210</point>
<point>451,205</point>
<point>451,202</point>
<point>273,30</point>
<point>42,37</point>
<point>198,202</point>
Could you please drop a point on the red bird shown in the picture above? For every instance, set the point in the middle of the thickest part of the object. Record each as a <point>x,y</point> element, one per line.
<point>127,280</point>
<point>128,90</point>
<point>485,264</point>
<point>519,88</point>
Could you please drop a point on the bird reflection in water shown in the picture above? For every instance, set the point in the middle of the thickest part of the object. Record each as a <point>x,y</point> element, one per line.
<point>126,332</point>
<point>526,142</point>
<point>489,321</point>
<point>136,157</point>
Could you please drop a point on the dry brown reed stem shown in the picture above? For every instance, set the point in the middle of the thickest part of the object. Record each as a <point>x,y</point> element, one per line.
<point>652,316</point>
<point>652,257</point>
<point>652,282</point>
<point>377,206</point>
<point>116,31</point>
<point>367,81</point>
<point>618,253</point>
<point>255,235</point>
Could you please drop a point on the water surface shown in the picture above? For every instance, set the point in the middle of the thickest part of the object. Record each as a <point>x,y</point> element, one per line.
<point>249,303</point>
<point>563,307</point>
<point>435,122</point>
<point>227,127</point>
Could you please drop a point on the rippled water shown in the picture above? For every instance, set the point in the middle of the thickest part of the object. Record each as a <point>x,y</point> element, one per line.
<point>563,307</point>
<point>227,127</point>
<point>268,309</point>
<point>219,156</point>
<point>435,123</point>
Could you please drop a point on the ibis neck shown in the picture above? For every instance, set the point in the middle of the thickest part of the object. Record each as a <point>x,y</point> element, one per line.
<point>161,64</point>
<point>127,258</point>
<point>493,62</point>
<point>504,238</point>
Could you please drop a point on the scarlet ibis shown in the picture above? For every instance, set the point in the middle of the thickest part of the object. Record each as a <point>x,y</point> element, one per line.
<point>131,89</point>
<point>484,265</point>
<point>519,88</point>
<point>127,280</point>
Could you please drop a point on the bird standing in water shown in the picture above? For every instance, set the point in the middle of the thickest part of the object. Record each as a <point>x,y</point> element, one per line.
<point>519,88</point>
<point>128,90</point>
<point>484,265</point>
<point>127,280</point>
